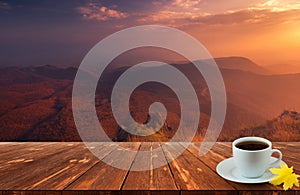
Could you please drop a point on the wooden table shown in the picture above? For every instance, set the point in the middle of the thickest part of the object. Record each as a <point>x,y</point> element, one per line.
<point>69,167</point>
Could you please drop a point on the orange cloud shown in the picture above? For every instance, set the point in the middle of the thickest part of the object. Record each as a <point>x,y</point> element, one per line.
<point>278,5</point>
<point>187,4</point>
<point>239,17</point>
<point>182,13</point>
<point>259,29</point>
<point>97,12</point>
<point>174,12</point>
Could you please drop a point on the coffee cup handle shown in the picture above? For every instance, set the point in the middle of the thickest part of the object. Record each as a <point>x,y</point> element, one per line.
<point>278,160</point>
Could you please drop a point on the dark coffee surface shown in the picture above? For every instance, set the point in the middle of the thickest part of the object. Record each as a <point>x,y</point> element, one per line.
<point>252,145</point>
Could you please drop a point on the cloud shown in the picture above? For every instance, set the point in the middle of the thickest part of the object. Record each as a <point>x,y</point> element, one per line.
<point>187,4</point>
<point>251,16</point>
<point>171,16</point>
<point>93,11</point>
<point>198,13</point>
<point>174,11</point>
<point>185,13</point>
<point>278,5</point>
<point>5,6</point>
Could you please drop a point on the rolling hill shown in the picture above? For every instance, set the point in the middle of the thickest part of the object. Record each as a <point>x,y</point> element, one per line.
<point>36,102</point>
<point>285,127</point>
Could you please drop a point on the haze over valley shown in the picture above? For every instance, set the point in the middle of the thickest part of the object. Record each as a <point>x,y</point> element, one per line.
<point>36,103</point>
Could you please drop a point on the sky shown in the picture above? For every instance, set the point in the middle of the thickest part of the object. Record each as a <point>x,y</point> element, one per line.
<point>62,32</point>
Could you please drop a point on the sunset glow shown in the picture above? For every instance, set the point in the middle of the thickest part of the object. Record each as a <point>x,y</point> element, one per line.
<point>266,31</point>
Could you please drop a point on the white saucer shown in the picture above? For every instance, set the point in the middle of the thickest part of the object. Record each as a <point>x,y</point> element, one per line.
<point>227,170</point>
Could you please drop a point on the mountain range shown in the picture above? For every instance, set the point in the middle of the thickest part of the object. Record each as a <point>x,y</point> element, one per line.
<point>36,102</point>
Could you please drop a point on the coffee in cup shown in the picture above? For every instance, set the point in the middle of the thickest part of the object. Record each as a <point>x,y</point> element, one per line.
<point>252,156</point>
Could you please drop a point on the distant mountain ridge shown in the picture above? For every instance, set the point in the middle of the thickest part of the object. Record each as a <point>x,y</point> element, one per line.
<point>235,63</point>
<point>240,63</point>
<point>36,101</point>
<point>16,75</point>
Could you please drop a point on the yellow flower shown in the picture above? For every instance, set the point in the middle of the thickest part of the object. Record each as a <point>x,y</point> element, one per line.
<point>284,175</point>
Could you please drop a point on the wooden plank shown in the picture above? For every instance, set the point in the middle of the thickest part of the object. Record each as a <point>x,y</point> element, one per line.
<point>41,170</point>
<point>10,146</point>
<point>103,176</point>
<point>223,148</point>
<point>211,159</point>
<point>56,166</point>
<point>12,152</point>
<point>139,179</point>
<point>162,176</point>
<point>30,152</point>
<point>151,179</point>
<point>29,155</point>
<point>125,192</point>
<point>295,144</point>
<point>29,192</point>
<point>190,173</point>
<point>89,192</point>
<point>291,153</point>
<point>263,192</point>
<point>205,192</point>
<point>145,192</point>
<point>73,167</point>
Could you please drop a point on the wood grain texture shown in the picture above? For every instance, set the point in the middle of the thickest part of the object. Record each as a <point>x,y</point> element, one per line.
<point>25,150</point>
<point>90,192</point>
<point>151,179</point>
<point>104,177</point>
<point>31,192</point>
<point>205,192</point>
<point>262,192</point>
<point>192,174</point>
<point>43,170</point>
<point>290,154</point>
<point>71,168</point>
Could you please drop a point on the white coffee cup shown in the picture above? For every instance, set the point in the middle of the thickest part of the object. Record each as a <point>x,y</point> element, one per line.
<point>253,163</point>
